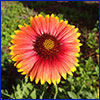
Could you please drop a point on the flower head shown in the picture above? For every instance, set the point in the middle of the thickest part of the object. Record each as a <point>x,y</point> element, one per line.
<point>46,50</point>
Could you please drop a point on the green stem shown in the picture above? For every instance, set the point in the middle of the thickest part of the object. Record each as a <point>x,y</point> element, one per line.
<point>56,91</point>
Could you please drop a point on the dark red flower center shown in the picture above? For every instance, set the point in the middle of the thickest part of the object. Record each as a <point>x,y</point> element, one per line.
<point>46,46</point>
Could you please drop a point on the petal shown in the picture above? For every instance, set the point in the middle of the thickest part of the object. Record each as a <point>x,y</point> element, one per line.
<point>47,70</point>
<point>53,22</point>
<point>59,27</point>
<point>43,23</point>
<point>58,66</point>
<point>27,64</point>
<point>47,24</point>
<point>68,49</point>
<point>66,32</point>
<point>34,70</point>
<point>55,25</point>
<point>28,30</point>
<point>39,75</point>
<point>65,62</point>
<point>24,55</point>
<point>18,52</point>
<point>22,47</point>
<point>36,25</point>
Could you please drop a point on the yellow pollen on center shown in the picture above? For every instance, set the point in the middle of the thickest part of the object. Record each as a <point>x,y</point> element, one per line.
<point>48,44</point>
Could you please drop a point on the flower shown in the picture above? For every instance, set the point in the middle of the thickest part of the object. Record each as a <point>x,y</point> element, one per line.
<point>46,50</point>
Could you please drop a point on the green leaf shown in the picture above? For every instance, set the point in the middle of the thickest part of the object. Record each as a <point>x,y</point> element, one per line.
<point>72,95</point>
<point>41,96</point>
<point>61,89</point>
<point>87,95</point>
<point>33,94</point>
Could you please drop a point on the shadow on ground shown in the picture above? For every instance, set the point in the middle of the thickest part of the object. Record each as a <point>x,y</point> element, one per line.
<point>9,76</point>
<point>78,13</point>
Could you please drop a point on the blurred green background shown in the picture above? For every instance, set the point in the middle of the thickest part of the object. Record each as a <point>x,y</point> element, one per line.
<point>85,82</point>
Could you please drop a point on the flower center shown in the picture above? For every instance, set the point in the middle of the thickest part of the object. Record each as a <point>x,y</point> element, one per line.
<point>48,44</point>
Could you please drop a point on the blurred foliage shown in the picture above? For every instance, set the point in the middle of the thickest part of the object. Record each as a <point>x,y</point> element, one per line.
<point>93,41</point>
<point>24,90</point>
<point>11,16</point>
<point>78,13</point>
<point>85,82</point>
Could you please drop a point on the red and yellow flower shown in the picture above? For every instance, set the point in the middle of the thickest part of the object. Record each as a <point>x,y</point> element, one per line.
<point>46,50</point>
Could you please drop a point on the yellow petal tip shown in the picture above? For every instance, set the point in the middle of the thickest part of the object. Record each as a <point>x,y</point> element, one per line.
<point>11,53</point>
<point>12,41</point>
<point>66,22</point>
<point>31,18</point>
<point>26,76</point>
<point>11,47</point>
<point>58,81</point>
<point>47,16</point>
<point>80,44</point>
<point>78,40</point>
<point>18,65</point>
<point>36,16</point>
<point>64,76</point>
<point>77,64</point>
<point>16,31</point>
<point>70,73</point>
<point>26,24</point>
<point>78,48</point>
<point>42,82</point>
<point>23,73</point>
<point>68,25</point>
<point>77,55</point>
<point>73,69</point>
<point>77,60</point>
<point>52,15</point>
<point>39,15</point>
<point>78,34</point>
<point>20,26</point>
<point>15,64</point>
<point>57,17</point>
<point>61,20</point>
<point>49,81</point>
<point>12,36</point>
<point>76,29</point>
<point>73,26</point>
<point>20,70</point>
<point>54,82</point>
<point>31,78</point>
<point>14,59</point>
<point>36,81</point>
